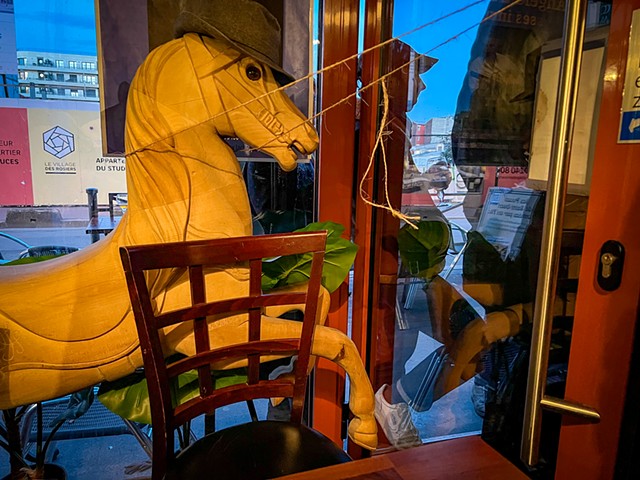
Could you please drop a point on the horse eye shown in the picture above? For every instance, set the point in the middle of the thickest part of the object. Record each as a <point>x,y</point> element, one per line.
<point>253,73</point>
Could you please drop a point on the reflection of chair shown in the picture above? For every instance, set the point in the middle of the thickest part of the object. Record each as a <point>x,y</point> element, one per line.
<point>262,449</point>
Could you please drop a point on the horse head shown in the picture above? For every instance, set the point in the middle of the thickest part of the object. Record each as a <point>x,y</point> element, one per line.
<point>254,109</point>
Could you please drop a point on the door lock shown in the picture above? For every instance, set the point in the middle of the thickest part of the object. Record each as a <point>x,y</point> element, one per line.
<point>610,267</point>
<point>607,260</point>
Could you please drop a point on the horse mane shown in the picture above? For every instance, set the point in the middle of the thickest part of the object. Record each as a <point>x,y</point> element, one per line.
<point>145,126</point>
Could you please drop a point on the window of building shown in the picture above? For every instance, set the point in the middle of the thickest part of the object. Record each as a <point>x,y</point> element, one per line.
<point>92,93</point>
<point>22,61</point>
<point>73,78</point>
<point>60,63</point>
<point>73,64</point>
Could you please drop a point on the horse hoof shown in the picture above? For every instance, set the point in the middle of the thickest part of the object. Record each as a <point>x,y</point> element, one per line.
<point>364,432</point>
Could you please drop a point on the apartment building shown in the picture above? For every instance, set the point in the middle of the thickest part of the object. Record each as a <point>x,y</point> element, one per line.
<point>58,76</point>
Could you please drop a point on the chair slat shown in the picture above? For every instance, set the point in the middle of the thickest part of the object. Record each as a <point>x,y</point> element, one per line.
<point>232,394</point>
<point>231,306</point>
<point>280,347</point>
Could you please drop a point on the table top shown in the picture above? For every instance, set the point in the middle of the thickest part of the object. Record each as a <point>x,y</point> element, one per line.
<point>102,225</point>
<point>459,459</point>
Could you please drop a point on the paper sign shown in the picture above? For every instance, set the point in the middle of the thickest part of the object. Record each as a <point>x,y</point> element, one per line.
<point>505,218</point>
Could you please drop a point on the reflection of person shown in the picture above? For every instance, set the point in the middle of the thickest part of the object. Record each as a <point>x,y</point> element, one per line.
<point>440,174</point>
<point>114,118</point>
<point>494,112</point>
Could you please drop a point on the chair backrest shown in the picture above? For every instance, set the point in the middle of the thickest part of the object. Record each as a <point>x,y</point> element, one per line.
<point>196,257</point>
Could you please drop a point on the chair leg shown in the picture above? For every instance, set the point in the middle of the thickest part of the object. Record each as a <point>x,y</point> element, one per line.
<point>252,410</point>
<point>210,423</point>
<point>144,441</point>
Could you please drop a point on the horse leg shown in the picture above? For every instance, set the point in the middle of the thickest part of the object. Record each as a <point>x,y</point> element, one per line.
<point>335,346</point>
<point>476,337</point>
<point>323,309</point>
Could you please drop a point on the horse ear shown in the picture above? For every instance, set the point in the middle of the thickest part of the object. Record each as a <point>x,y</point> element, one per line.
<point>205,61</point>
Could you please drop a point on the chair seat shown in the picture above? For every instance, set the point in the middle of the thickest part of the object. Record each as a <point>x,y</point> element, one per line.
<point>256,450</point>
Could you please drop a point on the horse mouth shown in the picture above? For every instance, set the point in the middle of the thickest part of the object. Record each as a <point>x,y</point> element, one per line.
<point>298,149</point>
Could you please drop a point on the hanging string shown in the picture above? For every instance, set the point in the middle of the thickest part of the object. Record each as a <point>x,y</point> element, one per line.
<point>380,144</point>
<point>335,65</point>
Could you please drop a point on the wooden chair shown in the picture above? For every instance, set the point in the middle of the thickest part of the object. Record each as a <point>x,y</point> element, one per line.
<point>255,450</point>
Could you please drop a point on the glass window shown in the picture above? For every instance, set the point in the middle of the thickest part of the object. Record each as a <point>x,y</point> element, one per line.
<point>60,63</point>
<point>73,64</point>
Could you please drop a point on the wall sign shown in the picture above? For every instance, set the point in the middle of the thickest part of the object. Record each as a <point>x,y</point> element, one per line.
<point>66,160</point>
<point>630,118</point>
<point>15,158</point>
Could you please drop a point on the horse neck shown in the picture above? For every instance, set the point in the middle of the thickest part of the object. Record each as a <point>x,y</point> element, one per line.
<point>191,187</point>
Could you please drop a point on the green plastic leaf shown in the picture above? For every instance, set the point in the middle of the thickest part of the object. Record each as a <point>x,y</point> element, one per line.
<point>128,397</point>
<point>424,250</point>
<point>293,269</point>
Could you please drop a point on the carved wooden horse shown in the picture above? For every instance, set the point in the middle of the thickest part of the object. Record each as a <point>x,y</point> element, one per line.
<point>66,324</point>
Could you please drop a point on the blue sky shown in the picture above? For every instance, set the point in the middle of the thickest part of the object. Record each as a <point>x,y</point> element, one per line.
<point>60,26</point>
<point>444,79</point>
<point>68,26</point>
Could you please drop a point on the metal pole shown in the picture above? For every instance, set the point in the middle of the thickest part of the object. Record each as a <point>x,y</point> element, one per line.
<point>92,201</point>
<point>575,15</point>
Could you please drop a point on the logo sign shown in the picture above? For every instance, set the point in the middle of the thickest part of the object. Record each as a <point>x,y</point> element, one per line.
<point>630,118</point>
<point>58,142</point>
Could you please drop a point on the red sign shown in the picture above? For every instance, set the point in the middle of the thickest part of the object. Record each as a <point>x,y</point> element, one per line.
<point>16,187</point>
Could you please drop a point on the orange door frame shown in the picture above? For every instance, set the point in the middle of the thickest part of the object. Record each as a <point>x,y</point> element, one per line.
<point>604,322</point>
<point>335,185</point>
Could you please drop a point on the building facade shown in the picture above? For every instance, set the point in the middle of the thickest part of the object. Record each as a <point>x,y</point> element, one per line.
<point>58,76</point>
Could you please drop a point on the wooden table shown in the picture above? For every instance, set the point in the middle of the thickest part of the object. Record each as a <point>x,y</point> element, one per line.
<point>458,459</point>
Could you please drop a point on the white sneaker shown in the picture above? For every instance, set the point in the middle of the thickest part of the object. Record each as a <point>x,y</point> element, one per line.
<point>396,422</point>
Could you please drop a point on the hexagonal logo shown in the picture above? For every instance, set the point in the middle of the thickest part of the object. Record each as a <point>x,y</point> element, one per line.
<point>58,142</point>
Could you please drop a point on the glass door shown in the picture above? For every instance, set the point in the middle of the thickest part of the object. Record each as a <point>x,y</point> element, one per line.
<point>468,120</point>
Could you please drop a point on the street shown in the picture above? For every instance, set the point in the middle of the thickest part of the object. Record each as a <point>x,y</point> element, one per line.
<point>68,236</point>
